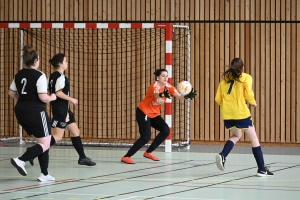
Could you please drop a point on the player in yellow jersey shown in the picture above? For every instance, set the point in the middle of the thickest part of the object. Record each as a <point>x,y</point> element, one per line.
<point>148,115</point>
<point>233,94</point>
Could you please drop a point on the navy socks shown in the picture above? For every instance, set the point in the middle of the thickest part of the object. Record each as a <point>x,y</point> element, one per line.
<point>258,155</point>
<point>227,148</point>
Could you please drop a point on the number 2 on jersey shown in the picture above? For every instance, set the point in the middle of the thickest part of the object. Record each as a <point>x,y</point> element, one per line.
<point>230,87</point>
<point>24,82</point>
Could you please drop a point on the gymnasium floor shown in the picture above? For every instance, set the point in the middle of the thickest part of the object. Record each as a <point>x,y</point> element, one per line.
<point>181,175</point>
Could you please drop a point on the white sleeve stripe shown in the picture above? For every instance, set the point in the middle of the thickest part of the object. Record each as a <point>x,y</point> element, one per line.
<point>13,86</point>
<point>54,123</point>
<point>43,116</point>
<point>56,90</point>
<point>60,83</point>
<point>13,90</point>
<point>41,84</point>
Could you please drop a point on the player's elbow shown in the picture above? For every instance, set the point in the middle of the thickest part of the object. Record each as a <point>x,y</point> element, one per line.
<point>218,101</point>
<point>13,94</point>
<point>251,100</point>
<point>44,98</point>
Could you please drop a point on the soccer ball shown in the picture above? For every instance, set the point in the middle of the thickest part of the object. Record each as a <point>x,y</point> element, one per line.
<point>184,87</point>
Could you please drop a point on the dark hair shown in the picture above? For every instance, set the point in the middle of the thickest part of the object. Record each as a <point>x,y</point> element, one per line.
<point>159,71</point>
<point>235,70</point>
<point>57,59</point>
<point>29,55</point>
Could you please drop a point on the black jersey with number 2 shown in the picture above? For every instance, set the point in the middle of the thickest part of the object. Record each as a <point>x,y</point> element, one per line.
<point>29,83</point>
<point>30,110</point>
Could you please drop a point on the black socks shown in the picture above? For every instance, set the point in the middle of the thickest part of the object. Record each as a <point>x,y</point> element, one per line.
<point>52,142</point>
<point>77,143</point>
<point>44,162</point>
<point>32,153</point>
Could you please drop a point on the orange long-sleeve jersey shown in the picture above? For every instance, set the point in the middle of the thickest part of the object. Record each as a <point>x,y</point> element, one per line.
<point>150,105</point>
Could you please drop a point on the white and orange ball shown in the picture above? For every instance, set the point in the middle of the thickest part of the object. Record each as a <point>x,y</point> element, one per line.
<point>184,87</point>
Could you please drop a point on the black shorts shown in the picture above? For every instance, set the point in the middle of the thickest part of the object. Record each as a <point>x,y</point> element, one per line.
<point>35,120</point>
<point>239,123</point>
<point>58,122</point>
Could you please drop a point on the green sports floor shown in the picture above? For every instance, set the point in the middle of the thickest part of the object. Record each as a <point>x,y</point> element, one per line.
<point>185,174</point>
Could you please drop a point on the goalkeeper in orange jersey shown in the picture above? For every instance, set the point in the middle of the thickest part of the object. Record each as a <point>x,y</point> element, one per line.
<point>234,91</point>
<point>148,115</point>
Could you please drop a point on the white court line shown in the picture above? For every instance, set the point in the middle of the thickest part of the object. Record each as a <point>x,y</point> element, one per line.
<point>168,198</point>
<point>59,193</point>
<point>131,197</point>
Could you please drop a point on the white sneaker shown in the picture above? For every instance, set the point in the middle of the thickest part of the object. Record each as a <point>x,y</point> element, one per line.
<point>220,161</point>
<point>44,178</point>
<point>20,165</point>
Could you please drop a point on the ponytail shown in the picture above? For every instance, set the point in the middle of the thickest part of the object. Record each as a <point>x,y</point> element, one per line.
<point>235,70</point>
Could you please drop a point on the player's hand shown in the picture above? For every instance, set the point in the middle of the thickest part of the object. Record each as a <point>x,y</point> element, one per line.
<point>53,97</point>
<point>191,95</point>
<point>165,93</point>
<point>254,105</point>
<point>74,101</point>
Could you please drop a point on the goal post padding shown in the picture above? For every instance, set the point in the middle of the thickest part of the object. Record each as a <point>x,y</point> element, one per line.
<point>111,66</point>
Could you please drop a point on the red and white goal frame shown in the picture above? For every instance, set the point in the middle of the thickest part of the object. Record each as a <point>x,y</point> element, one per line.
<point>92,25</point>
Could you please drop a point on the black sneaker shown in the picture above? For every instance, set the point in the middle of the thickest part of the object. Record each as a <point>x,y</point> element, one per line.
<point>86,161</point>
<point>220,161</point>
<point>30,160</point>
<point>264,173</point>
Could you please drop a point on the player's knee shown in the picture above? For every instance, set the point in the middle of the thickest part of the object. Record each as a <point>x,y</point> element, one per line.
<point>165,131</point>
<point>45,146</point>
<point>75,133</point>
<point>52,141</point>
<point>57,137</point>
<point>254,141</point>
<point>234,139</point>
<point>146,138</point>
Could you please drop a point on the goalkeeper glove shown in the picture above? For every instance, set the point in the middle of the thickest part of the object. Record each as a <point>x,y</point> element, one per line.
<point>191,95</point>
<point>165,93</point>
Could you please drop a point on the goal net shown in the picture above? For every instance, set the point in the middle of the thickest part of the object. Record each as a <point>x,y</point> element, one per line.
<point>110,69</point>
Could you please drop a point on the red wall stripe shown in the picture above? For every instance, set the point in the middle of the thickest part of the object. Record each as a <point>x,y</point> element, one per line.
<point>113,25</point>
<point>91,25</point>
<point>68,25</point>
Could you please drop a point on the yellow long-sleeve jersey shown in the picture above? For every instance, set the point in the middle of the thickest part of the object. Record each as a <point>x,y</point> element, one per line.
<point>232,97</point>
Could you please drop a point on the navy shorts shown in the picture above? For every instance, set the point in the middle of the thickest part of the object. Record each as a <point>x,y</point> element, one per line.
<point>57,122</point>
<point>238,123</point>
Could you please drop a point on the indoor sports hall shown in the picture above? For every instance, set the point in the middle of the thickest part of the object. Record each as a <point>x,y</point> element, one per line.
<point>112,49</point>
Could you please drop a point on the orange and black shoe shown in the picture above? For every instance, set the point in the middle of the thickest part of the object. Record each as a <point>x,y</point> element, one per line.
<point>127,160</point>
<point>151,156</point>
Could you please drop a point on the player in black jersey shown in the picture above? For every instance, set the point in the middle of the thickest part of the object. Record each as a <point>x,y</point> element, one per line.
<point>29,87</point>
<point>62,116</point>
